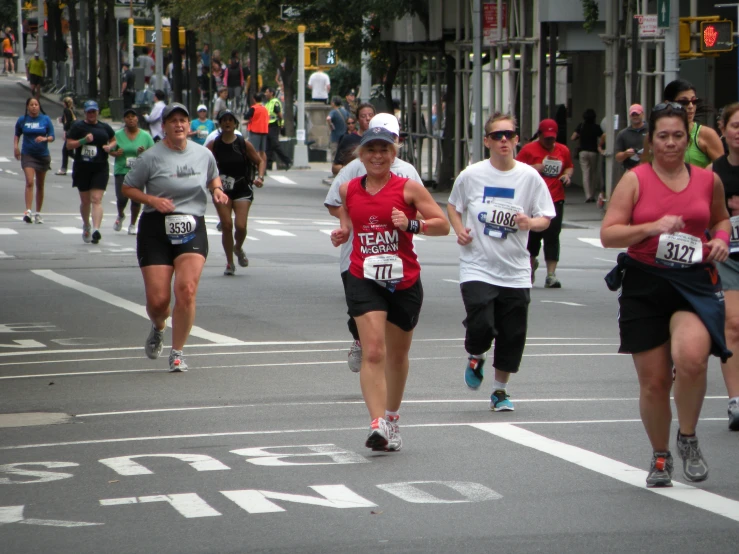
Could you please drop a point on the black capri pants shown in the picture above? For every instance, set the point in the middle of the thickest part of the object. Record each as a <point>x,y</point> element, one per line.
<point>550,236</point>
<point>499,313</point>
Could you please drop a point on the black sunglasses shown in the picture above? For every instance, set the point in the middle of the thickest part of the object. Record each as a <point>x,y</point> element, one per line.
<point>667,105</point>
<point>498,135</point>
<point>685,102</point>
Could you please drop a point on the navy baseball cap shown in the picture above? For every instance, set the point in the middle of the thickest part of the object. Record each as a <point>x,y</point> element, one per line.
<point>91,105</point>
<point>377,133</point>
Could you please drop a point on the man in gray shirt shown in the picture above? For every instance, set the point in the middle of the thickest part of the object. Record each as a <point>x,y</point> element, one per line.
<point>630,141</point>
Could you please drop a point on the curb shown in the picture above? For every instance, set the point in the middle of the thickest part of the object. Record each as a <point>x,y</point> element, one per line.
<point>25,85</point>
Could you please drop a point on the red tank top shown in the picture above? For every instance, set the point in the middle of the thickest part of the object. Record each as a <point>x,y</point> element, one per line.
<point>657,200</point>
<point>379,249</point>
<point>259,123</point>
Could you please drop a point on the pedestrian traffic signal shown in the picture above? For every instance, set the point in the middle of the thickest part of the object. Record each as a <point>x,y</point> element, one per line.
<point>717,36</point>
<point>327,57</point>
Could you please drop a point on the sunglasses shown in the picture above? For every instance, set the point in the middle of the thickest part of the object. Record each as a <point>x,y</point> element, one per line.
<point>498,135</point>
<point>685,102</point>
<point>666,106</point>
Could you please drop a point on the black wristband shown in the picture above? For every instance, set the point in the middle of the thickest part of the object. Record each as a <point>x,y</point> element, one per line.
<point>215,189</point>
<point>414,226</point>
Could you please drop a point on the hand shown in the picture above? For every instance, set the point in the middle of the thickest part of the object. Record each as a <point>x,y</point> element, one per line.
<point>464,237</point>
<point>140,150</point>
<point>106,148</point>
<point>400,220</point>
<point>667,224</point>
<point>162,205</point>
<point>718,251</point>
<point>733,203</point>
<point>523,222</point>
<point>259,182</point>
<point>89,138</point>
<point>220,197</point>
<point>630,152</point>
<point>566,179</point>
<point>40,139</point>
<point>340,236</point>
<point>17,154</point>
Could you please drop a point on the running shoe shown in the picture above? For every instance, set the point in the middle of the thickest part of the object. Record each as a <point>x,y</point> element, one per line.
<point>394,442</point>
<point>241,257</point>
<point>533,270</point>
<point>38,219</point>
<point>86,233</point>
<point>552,282</point>
<point>379,434</point>
<point>500,401</point>
<point>734,415</point>
<point>230,269</point>
<point>695,467</point>
<point>473,372</point>
<point>219,227</point>
<point>660,470</point>
<point>132,230</point>
<point>176,362</point>
<point>355,356</point>
<point>27,216</point>
<point>153,344</point>
<point>61,172</point>
<point>118,225</point>
<point>96,236</point>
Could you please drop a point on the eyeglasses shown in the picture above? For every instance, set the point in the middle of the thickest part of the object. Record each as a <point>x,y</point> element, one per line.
<point>686,102</point>
<point>498,135</point>
<point>667,105</point>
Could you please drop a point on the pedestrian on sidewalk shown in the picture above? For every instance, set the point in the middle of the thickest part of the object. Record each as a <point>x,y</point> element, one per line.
<point>589,134</point>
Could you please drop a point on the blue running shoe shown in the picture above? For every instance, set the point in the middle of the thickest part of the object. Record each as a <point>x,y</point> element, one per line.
<point>499,401</point>
<point>473,372</point>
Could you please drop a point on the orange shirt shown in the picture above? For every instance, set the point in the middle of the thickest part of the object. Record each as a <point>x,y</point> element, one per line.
<point>259,123</point>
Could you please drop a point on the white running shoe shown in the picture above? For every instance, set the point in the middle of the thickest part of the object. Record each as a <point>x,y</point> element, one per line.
<point>132,230</point>
<point>118,225</point>
<point>38,219</point>
<point>27,216</point>
<point>355,356</point>
<point>87,233</point>
<point>176,362</point>
<point>230,269</point>
<point>394,442</point>
<point>378,436</point>
<point>153,344</point>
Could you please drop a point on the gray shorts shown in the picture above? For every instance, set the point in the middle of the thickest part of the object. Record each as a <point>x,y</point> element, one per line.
<point>258,141</point>
<point>729,273</point>
<point>42,163</point>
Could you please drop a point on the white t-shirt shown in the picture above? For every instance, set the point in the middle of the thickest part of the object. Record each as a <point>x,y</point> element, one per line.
<point>212,136</point>
<point>319,84</point>
<point>487,198</point>
<point>353,169</point>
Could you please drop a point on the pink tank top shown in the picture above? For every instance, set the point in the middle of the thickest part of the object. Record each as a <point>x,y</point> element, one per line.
<point>657,200</point>
<point>381,251</point>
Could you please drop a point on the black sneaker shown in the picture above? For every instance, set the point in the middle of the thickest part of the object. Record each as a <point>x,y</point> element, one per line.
<point>660,471</point>
<point>96,236</point>
<point>695,467</point>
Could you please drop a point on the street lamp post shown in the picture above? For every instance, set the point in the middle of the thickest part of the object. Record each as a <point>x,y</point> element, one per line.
<point>300,154</point>
<point>736,33</point>
<point>21,68</point>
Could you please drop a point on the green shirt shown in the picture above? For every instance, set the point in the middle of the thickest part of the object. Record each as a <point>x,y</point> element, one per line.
<point>130,149</point>
<point>36,67</point>
<point>694,155</point>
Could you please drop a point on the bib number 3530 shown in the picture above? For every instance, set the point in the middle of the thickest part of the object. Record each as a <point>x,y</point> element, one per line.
<point>180,228</point>
<point>679,250</point>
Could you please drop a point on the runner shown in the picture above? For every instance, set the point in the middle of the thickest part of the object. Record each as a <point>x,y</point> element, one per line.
<point>727,168</point>
<point>91,140</point>
<point>37,131</point>
<point>383,291</point>
<point>131,142</point>
<point>236,159</point>
<point>171,180</point>
<point>68,117</point>
<point>671,308</point>
<point>333,202</point>
<point>493,206</point>
<point>201,127</point>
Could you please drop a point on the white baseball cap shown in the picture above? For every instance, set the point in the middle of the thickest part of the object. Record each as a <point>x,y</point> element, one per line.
<point>202,108</point>
<point>386,120</point>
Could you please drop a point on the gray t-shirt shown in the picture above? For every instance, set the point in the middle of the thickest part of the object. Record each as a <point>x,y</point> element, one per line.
<point>353,169</point>
<point>631,138</point>
<point>180,175</point>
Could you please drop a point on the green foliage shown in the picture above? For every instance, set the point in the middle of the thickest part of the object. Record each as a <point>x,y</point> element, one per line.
<point>590,14</point>
<point>9,14</point>
<point>343,79</point>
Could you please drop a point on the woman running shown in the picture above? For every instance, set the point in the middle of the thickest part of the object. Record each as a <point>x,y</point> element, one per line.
<point>68,117</point>
<point>131,142</point>
<point>383,289</point>
<point>672,218</point>
<point>172,180</point>
<point>236,159</point>
<point>37,131</point>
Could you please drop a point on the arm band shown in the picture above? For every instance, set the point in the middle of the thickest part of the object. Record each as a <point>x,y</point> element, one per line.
<point>83,141</point>
<point>423,226</point>
<point>723,235</point>
<point>414,226</point>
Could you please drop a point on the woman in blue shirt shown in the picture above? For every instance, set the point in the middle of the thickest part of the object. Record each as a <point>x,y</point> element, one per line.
<point>37,131</point>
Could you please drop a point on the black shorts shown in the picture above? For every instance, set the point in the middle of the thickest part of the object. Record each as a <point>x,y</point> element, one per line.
<point>35,79</point>
<point>402,306</point>
<point>646,305</point>
<point>154,248</point>
<point>119,189</point>
<point>241,191</point>
<point>8,55</point>
<point>89,176</point>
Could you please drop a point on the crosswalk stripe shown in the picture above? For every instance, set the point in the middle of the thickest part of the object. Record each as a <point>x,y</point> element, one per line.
<point>68,230</point>
<point>592,242</point>
<point>283,180</point>
<point>267,222</point>
<point>5,231</point>
<point>276,232</point>
<point>4,256</point>
<point>212,232</point>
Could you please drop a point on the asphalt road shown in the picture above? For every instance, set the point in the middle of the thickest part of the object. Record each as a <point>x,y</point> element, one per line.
<point>259,447</point>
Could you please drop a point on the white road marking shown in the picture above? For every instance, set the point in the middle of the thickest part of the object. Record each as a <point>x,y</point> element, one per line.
<point>560,302</point>
<point>268,222</point>
<point>104,296</point>
<point>592,242</point>
<point>455,281</point>
<point>327,231</point>
<point>68,230</point>
<point>336,222</point>
<point>6,231</point>
<point>276,232</point>
<point>283,180</point>
<point>213,232</point>
<point>612,468</point>
<point>4,159</point>
<point>605,260</point>
<point>14,514</point>
<point>4,256</point>
<point>190,505</point>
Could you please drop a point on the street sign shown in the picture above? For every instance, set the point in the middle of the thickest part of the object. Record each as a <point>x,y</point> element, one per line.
<point>663,13</point>
<point>289,12</point>
<point>649,26</point>
<point>717,36</point>
<point>493,31</point>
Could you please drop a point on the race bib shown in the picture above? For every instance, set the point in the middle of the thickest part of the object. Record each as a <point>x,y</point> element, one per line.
<point>130,162</point>
<point>679,250</point>
<point>552,168</point>
<point>384,268</point>
<point>734,243</point>
<point>89,151</point>
<point>180,228</point>
<point>203,134</point>
<point>501,219</point>
<point>227,182</point>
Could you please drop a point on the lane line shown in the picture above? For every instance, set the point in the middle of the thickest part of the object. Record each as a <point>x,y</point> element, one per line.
<point>276,232</point>
<point>614,469</point>
<point>132,307</point>
<point>283,180</point>
<point>561,302</point>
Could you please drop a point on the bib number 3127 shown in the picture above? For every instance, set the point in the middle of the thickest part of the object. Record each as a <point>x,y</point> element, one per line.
<point>679,250</point>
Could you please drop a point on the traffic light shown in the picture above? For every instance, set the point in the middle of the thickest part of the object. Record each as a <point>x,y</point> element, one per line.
<point>684,37</point>
<point>327,57</point>
<point>717,36</point>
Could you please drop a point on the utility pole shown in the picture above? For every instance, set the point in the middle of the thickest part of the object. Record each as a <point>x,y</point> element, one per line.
<point>21,67</point>
<point>477,122</point>
<point>670,9</point>
<point>158,63</point>
<point>300,155</point>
